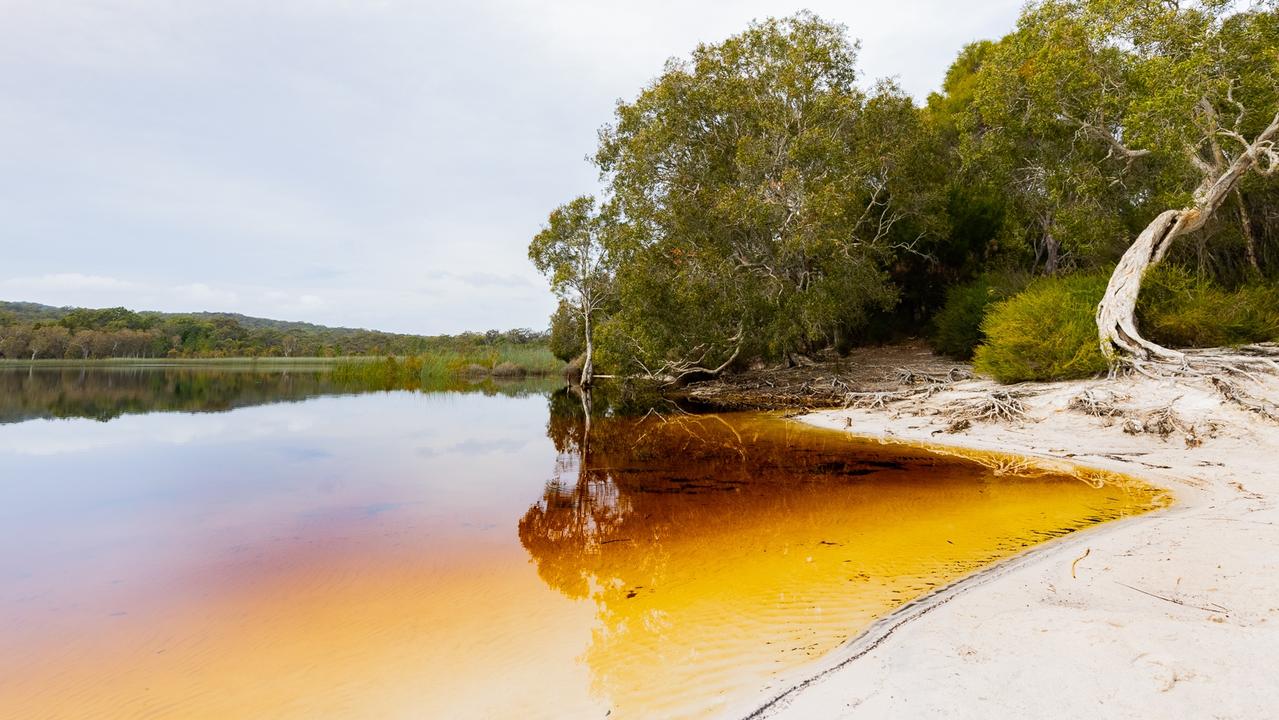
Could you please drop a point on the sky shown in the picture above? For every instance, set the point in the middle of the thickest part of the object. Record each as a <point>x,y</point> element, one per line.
<point>368,163</point>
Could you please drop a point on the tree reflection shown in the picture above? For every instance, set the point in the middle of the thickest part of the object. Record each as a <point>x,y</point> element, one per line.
<point>719,550</point>
<point>647,516</point>
<point>105,393</point>
<point>582,508</point>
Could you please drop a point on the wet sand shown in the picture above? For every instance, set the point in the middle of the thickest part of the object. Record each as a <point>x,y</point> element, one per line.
<point>1168,615</point>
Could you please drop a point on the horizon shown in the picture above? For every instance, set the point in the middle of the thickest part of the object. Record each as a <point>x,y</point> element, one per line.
<point>319,165</point>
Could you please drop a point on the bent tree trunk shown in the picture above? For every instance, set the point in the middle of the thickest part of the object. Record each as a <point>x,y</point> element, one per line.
<point>1116,313</point>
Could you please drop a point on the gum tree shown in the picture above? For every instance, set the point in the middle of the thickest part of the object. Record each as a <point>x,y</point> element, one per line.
<point>572,252</point>
<point>1176,101</point>
<point>763,195</point>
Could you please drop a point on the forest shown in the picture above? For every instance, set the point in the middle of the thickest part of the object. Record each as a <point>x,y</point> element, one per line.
<point>1095,187</point>
<point>30,331</point>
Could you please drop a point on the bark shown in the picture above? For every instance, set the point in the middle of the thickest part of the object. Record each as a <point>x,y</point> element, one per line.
<point>1051,247</point>
<point>1116,313</point>
<point>1249,238</point>
<point>588,366</point>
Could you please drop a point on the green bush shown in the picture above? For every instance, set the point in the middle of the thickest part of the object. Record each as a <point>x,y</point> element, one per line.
<point>1179,309</point>
<point>957,326</point>
<point>568,339</point>
<point>1046,332</point>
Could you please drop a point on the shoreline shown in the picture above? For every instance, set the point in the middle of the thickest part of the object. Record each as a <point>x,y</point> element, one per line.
<point>1167,613</point>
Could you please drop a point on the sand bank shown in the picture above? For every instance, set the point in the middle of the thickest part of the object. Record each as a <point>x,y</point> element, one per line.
<point>1172,614</point>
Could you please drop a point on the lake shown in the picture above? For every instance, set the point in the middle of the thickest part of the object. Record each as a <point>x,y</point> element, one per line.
<point>226,542</point>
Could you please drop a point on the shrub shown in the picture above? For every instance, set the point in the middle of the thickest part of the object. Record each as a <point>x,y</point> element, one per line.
<point>957,326</point>
<point>508,369</point>
<point>1046,332</point>
<point>1178,309</point>
<point>568,339</point>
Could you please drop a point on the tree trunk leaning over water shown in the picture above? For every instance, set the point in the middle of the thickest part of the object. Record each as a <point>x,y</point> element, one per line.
<point>1116,313</point>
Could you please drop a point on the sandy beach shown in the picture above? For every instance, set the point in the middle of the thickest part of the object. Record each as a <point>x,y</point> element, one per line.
<point>1170,614</point>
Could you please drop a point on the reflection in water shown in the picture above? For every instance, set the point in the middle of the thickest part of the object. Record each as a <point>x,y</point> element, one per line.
<point>104,392</point>
<point>721,551</point>
<point>368,555</point>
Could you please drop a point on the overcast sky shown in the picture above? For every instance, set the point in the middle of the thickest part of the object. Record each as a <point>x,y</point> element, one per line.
<point>371,164</point>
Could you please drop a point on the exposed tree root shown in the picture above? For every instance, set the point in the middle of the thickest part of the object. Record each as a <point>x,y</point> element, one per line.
<point>1163,421</point>
<point>994,406</point>
<point>1233,392</point>
<point>918,385</point>
<point>1099,403</point>
<point>1207,363</point>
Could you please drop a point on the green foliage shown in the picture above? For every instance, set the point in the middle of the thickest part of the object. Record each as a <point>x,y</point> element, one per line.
<point>568,337</point>
<point>761,192</point>
<point>957,327</point>
<point>761,203</point>
<point>502,360</point>
<point>389,373</point>
<point>44,332</point>
<point>1179,309</point>
<point>1046,332</point>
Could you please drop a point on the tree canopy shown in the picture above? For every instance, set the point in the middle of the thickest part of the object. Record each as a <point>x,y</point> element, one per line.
<point>765,201</point>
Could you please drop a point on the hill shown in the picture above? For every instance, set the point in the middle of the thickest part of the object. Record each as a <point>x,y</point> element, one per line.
<point>34,331</point>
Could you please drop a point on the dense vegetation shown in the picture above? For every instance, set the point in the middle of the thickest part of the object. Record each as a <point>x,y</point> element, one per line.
<point>1048,330</point>
<point>31,331</point>
<point>759,204</point>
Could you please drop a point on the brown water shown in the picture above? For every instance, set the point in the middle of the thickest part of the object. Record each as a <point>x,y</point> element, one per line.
<point>459,554</point>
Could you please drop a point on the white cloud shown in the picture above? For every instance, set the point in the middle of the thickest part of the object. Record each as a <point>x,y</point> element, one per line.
<point>204,295</point>
<point>367,164</point>
<point>66,281</point>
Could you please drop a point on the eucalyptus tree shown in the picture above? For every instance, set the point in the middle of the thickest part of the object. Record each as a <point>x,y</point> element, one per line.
<point>1169,104</point>
<point>572,250</point>
<point>763,193</point>
<point>1066,197</point>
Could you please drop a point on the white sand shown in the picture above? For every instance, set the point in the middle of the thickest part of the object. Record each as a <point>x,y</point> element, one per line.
<point>1026,640</point>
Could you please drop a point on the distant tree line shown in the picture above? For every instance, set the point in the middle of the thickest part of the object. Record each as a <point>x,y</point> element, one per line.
<point>760,203</point>
<point>31,332</point>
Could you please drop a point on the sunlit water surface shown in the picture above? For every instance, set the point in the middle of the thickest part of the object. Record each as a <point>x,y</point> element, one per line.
<point>217,544</point>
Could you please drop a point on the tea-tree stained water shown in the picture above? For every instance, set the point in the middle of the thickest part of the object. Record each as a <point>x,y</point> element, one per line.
<point>463,555</point>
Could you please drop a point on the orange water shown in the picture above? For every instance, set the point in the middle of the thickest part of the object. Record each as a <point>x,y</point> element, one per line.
<point>664,568</point>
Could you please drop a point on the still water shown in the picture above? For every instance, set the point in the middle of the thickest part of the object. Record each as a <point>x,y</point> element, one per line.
<point>214,543</point>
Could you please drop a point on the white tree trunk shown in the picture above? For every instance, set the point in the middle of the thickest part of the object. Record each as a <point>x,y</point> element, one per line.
<point>588,367</point>
<point>1116,313</point>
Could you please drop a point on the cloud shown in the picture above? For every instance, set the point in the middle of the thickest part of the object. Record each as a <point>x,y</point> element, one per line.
<point>354,164</point>
<point>484,279</point>
<point>204,295</point>
<point>67,281</point>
